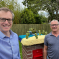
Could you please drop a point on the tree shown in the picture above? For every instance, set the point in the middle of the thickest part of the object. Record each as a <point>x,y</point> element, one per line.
<point>50,5</point>
<point>38,19</point>
<point>33,5</point>
<point>17,17</point>
<point>27,17</point>
<point>14,6</point>
<point>2,3</point>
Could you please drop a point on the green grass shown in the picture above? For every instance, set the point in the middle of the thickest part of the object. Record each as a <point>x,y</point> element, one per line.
<point>20,46</point>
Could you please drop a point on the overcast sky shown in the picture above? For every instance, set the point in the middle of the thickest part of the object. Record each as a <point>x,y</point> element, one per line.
<point>20,1</point>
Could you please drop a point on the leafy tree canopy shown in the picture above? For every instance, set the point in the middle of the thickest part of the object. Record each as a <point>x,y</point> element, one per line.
<point>27,17</point>
<point>49,5</point>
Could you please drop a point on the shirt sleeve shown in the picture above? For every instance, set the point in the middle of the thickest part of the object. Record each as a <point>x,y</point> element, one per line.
<point>19,55</point>
<point>19,50</point>
<point>45,41</point>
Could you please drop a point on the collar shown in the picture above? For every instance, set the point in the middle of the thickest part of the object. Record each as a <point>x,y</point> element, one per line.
<point>50,34</point>
<point>12,33</point>
<point>3,35</point>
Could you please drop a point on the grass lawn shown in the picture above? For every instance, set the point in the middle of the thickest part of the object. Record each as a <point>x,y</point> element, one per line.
<point>20,46</point>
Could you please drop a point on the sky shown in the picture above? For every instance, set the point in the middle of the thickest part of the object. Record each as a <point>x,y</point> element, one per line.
<point>20,1</point>
<point>44,13</point>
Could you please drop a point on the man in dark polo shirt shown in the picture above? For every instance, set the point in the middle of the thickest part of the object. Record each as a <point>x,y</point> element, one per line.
<point>51,41</point>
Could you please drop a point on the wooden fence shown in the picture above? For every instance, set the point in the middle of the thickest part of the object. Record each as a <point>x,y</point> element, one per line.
<point>21,29</point>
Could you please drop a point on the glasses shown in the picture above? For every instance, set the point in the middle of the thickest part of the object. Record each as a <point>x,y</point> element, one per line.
<point>4,19</point>
<point>54,24</point>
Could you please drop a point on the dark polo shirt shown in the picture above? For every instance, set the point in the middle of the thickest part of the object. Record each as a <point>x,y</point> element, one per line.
<point>53,45</point>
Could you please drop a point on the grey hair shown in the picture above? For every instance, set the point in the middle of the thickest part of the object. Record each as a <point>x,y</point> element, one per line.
<point>54,20</point>
<point>6,10</point>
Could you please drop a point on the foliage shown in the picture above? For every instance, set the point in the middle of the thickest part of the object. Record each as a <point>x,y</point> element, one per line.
<point>50,6</point>
<point>38,19</point>
<point>33,30</point>
<point>43,32</point>
<point>36,35</point>
<point>14,6</point>
<point>27,17</point>
<point>2,3</point>
<point>32,4</point>
<point>17,17</point>
<point>44,19</point>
